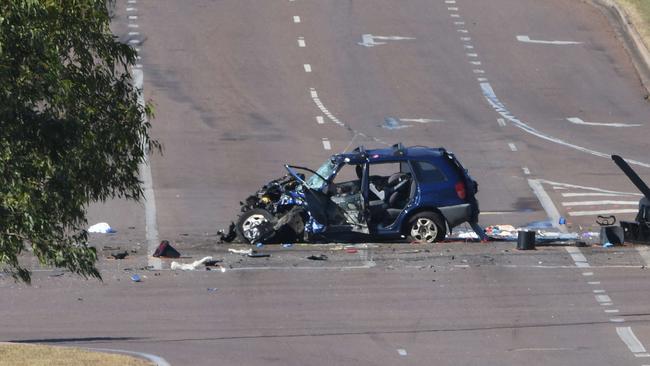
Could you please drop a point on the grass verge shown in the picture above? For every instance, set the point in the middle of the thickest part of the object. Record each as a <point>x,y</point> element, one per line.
<point>36,355</point>
<point>639,11</point>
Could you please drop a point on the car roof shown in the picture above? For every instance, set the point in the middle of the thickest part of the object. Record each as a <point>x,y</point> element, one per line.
<point>393,153</point>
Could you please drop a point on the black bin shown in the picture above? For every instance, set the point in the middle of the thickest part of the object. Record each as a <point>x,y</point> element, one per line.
<point>526,240</point>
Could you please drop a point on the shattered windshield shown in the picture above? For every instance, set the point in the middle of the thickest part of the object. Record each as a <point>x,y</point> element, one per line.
<point>326,170</point>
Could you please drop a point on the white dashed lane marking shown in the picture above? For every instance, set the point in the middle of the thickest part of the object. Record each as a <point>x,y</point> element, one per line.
<point>296,19</point>
<point>320,120</point>
<point>501,122</point>
<point>307,67</point>
<point>526,170</point>
<point>301,42</point>
<point>326,144</point>
<point>512,146</point>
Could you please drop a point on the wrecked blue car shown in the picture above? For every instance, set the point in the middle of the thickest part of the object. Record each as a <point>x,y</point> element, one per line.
<point>380,194</point>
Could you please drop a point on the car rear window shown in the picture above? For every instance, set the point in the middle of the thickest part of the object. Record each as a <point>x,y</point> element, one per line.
<point>428,173</point>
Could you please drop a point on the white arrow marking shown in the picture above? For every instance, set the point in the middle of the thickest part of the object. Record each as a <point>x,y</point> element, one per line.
<point>527,39</point>
<point>578,121</point>
<point>368,40</point>
<point>420,120</point>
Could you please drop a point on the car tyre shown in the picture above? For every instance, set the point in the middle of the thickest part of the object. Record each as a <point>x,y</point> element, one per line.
<point>249,223</point>
<point>426,227</point>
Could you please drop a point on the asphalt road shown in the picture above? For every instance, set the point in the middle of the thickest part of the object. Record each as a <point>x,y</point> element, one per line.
<point>526,93</point>
<point>234,100</point>
<point>443,304</point>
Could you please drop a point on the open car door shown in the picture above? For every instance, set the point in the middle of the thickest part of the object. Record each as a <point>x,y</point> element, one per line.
<point>317,201</point>
<point>364,213</point>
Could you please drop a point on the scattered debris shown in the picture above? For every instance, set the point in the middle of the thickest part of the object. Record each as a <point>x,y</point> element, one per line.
<point>608,245</point>
<point>258,255</point>
<point>241,251</point>
<point>606,220</point>
<point>227,237</point>
<point>120,255</point>
<point>57,274</point>
<point>351,250</point>
<point>166,250</point>
<point>259,245</point>
<point>101,228</point>
<point>287,245</point>
<point>106,247</point>
<point>212,263</point>
<point>136,278</point>
<point>212,289</point>
<point>321,257</point>
<point>189,266</point>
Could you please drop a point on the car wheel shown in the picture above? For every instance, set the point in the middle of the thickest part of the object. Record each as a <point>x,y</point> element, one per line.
<point>250,224</point>
<point>426,227</point>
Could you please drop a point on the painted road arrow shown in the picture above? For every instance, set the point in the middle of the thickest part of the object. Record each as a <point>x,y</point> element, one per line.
<point>420,120</point>
<point>578,121</point>
<point>527,39</point>
<point>368,40</point>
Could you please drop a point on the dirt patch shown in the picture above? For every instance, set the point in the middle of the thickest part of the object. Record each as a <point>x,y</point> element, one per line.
<point>27,354</point>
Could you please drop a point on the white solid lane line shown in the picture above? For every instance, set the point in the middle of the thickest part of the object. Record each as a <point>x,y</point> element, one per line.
<point>603,202</point>
<point>592,194</point>
<point>546,202</point>
<point>631,341</point>
<point>601,212</point>
<point>151,224</point>
<point>326,144</point>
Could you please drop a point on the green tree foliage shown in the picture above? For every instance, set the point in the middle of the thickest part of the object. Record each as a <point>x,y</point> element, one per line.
<point>71,129</point>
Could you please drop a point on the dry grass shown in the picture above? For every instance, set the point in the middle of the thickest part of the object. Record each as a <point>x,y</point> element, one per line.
<point>639,11</point>
<point>36,355</point>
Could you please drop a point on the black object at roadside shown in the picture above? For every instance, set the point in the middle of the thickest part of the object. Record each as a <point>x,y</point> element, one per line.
<point>612,234</point>
<point>212,263</point>
<point>526,240</point>
<point>321,257</point>
<point>166,250</point>
<point>120,255</point>
<point>258,255</point>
